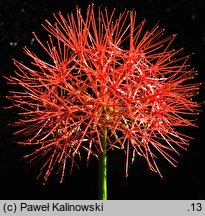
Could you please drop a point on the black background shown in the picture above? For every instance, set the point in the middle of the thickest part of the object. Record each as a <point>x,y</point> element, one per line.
<point>18,18</point>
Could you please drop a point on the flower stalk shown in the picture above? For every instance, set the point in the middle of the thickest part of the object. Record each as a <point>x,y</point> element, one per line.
<point>102,178</point>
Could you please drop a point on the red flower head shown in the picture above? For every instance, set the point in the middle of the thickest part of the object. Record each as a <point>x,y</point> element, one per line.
<point>104,76</point>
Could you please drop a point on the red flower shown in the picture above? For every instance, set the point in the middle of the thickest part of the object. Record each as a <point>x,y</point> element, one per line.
<point>104,75</point>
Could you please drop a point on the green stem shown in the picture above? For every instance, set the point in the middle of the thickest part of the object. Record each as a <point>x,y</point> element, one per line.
<point>103,167</point>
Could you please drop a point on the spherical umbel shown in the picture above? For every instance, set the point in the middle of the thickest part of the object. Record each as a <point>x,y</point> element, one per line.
<point>103,75</point>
